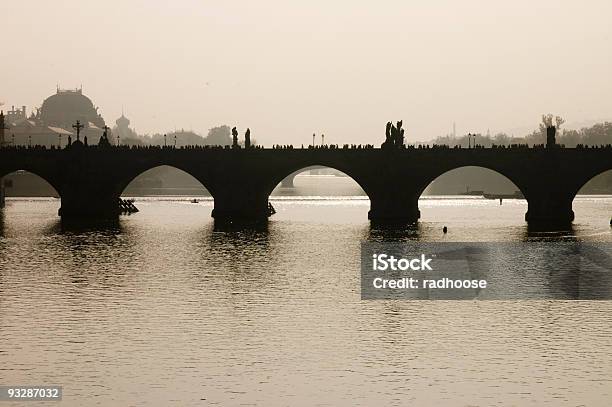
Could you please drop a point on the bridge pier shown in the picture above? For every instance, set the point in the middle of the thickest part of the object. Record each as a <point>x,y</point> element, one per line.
<point>88,207</point>
<point>88,201</point>
<point>549,210</point>
<point>240,205</point>
<point>394,209</point>
<point>2,193</point>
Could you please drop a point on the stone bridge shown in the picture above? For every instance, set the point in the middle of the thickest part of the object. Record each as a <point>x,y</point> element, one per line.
<point>90,179</point>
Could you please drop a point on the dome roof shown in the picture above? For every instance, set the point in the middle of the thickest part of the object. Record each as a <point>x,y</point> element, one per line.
<point>66,107</point>
<point>122,121</point>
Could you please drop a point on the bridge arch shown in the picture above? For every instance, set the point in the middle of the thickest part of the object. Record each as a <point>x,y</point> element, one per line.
<point>48,181</point>
<point>278,178</point>
<point>165,176</point>
<point>288,181</point>
<point>489,175</point>
<point>476,170</point>
<point>596,188</point>
<point>598,182</point>
<point>133,175</point>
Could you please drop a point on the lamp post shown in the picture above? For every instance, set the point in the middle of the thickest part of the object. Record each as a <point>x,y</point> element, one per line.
<point>313,139</point>
<point>175,141</point>
<point>471,140</point>
<point>322,139</point>
<point>165,145</point>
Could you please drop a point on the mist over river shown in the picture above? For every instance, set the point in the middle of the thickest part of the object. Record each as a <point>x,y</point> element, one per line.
<point>161,309</point>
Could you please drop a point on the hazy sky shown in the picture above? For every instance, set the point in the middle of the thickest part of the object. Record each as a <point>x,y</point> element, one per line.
<point>290,68</point>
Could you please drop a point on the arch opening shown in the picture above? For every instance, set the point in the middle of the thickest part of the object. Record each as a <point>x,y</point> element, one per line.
<point>318,193</point>
<point>593,201</point>
<point>471,181</point>
<point>164,184</point>
<point>27,184</point>
<point>28,193</point>
<point>473,194</point>
<point>600,184</point>
<point>165,180</point>
<point>318,181</point>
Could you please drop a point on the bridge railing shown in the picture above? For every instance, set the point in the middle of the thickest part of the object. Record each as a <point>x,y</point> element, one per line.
<point>10,147</point>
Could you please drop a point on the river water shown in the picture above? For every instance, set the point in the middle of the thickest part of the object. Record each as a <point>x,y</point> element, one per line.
<point>161,309</point>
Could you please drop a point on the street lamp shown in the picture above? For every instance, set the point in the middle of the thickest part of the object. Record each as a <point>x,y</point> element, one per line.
<point>322,139</point>
<point>313,139</point>
<point>165,145</point>
<point>175,141</point>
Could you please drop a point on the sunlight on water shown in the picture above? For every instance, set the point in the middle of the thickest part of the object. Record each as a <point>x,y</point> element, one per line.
<point>160,309</point>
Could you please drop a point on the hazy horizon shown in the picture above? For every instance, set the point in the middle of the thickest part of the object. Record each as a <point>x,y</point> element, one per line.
<point>289,70</point>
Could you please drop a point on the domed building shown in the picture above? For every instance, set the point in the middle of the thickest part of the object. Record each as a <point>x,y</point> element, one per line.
<point>52,123</point>
<point>66,107</point>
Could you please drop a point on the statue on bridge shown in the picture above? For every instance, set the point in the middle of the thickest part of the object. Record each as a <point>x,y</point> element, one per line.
<point>399,135</point>
<point>388,139</point>
<point>247,138</point>
<point>394,136</point>
<point>104,142</point>
<point>551,128</point>
<point>235,138</point>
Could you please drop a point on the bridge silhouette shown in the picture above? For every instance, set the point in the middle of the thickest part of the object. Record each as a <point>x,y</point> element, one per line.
<point>90,179</point>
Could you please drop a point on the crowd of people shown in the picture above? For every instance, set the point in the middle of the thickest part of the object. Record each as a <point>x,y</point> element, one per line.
<point>309,147</point>
<point>394,139</point>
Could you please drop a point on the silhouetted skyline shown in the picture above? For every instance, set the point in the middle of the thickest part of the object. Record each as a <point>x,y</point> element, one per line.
<point>338,68</point>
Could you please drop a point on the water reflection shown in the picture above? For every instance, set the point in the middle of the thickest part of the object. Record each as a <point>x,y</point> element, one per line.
<point>578,271</point>
<point>81,226</point>
<point>236,226</point>
<point>273,316</point>
<point>391,233</point>
<point>549,233</point>
<point>85,254</point>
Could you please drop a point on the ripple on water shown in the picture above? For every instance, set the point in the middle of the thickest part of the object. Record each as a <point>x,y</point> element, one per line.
<point>161,309</point>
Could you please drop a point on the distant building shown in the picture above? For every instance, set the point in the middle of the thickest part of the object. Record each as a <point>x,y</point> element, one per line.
<point>52,122</point>
<point>16,115</point>
<point>124,132</point>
